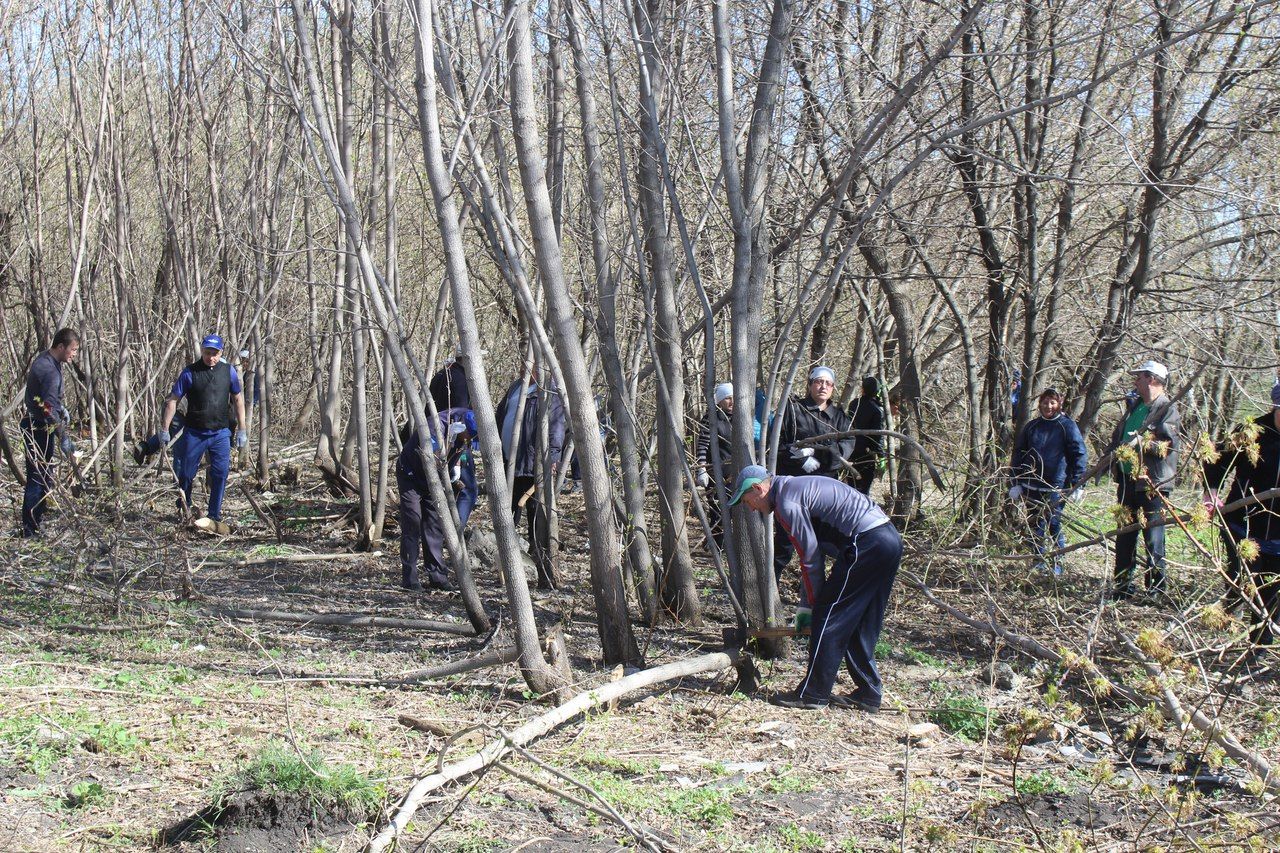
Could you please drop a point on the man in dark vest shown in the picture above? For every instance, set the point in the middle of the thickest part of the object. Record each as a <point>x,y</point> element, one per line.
<point>44,428</point>
<point>210,387</point>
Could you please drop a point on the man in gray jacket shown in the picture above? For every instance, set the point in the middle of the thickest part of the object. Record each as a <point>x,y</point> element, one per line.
<point>523,441</point>
<point>1145,444</point>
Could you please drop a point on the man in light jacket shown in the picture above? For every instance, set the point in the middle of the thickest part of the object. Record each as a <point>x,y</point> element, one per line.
<point>1145,443</point>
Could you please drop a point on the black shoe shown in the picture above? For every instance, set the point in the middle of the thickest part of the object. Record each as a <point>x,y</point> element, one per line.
<point>138,456</point>
<point>860,701</point>
<point>1124,593</point>
<point>413,587</point>
<point>793,699</point>
<point>441,583</point>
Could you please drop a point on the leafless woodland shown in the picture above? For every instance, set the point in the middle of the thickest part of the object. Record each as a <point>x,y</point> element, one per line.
<point>648,198</point>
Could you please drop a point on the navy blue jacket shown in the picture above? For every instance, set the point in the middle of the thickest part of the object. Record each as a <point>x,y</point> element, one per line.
<point>1050,454</point>
<point>44,390</point>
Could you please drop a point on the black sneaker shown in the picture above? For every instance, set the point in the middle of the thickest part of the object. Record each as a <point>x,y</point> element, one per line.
<point>413,587</point>
<point>793,699</point>
<point>442,584</point>
<point>1123,593</point>
<point>859,701</point>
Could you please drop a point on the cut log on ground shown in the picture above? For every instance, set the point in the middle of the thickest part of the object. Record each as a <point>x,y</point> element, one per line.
<point>345,620</point>
<point>535,729</point>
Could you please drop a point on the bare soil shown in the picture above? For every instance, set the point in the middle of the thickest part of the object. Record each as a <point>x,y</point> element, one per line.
<point>128,713</point>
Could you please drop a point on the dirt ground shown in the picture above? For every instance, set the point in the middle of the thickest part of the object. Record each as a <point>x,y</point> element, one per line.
<point>134,717</point>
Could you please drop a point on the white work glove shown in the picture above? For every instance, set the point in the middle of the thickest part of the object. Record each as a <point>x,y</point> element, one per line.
<point>455,474</point>
<point>703,479</point>
<point>810,465</point>
<point>456,429</point>
<point>1076,495</point>
<point>1016,493</point>
<point>801,452</point>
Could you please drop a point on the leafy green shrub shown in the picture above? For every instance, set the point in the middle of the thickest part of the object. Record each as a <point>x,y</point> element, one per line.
<point>961,715</point>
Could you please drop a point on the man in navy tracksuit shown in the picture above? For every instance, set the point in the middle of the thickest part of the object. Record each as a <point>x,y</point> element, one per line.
<point>824,517</point>
<point>1049,461</point>
<point>44,428</point>
<point>211,387</point>
<point>421,520</point>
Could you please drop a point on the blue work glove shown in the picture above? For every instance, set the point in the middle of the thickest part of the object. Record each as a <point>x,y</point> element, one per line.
<point>68,446</point>
<point>164,438</point>
<point>242,438</point>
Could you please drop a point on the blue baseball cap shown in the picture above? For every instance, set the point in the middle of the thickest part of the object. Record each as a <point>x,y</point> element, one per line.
<point>212,342</point>
<point>747,478</point>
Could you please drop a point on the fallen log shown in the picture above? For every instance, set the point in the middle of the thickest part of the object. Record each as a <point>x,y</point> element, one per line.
<point>496,657</point>
<point>345,620</point>
<point>1173,711</point>
<point>535,729</point>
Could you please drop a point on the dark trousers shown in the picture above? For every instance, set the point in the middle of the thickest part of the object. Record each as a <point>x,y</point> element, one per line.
<point>539,527</point>
<point>198,444</point>
<point>849,614</point>
<point>1144,506</point>
<point>864,475</point>
<point>1232,598</point>
<point>420,531</point>
<point>1265,570</point>
<point>466,499</point>
<point>42,447</point>
<point>1044,508</point>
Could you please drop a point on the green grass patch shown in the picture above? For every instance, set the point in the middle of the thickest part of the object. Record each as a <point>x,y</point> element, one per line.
<point>796,839</point>
<point>279,768</point>
<point>1043,782</point>
<point>961,715</point>
<point>36,742</point>
<point>85,794</point>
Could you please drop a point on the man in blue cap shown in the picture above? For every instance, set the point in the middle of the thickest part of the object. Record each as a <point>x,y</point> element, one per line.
<point>211,387</point>
<point>823,516</point>
<point>44,428</point>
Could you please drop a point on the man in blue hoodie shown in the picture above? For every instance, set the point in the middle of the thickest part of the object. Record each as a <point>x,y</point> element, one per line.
<point>1049,461</point>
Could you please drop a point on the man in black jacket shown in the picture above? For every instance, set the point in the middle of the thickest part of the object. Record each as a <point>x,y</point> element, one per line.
<point>719,419</point>
<point>867,449</point>
<point>1252,453</point>
<point>810,416</point>
<point>1145,443</point>
<point>44,427</point>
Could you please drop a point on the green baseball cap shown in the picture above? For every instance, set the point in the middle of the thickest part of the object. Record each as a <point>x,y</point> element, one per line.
<point>747,478</point>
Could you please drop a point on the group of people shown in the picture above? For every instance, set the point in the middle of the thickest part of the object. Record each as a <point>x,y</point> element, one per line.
<point>215,408</point>
<point>1050,462</point>
<point>526,436</point>
<point>819,498</point>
